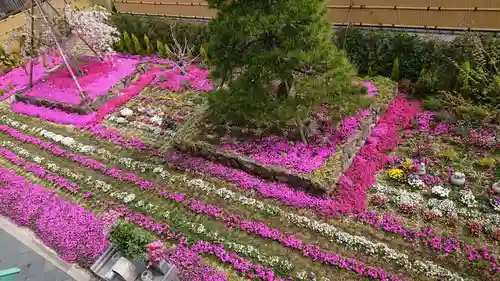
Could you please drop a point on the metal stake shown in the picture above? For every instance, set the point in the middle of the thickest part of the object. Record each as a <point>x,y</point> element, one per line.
<point>52,32</point>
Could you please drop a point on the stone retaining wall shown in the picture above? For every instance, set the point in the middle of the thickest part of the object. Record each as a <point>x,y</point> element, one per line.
<point>344,155</point>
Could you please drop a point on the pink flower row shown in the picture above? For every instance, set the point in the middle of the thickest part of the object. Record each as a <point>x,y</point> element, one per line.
<point>75,234</point>
<point>196,206</point>
<point>187,260</point>
<point>82,160</point>
<point>115,137</point>
<point>352,186</point>
<point>300,157</point>
<point>39,171</point>
<point>386,224</point>
<point>52,115</point>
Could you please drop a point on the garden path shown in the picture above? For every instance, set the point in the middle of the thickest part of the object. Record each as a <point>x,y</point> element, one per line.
<point>19,248</point>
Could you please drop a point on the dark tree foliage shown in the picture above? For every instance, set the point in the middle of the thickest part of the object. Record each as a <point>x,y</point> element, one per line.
<point>276,57</point>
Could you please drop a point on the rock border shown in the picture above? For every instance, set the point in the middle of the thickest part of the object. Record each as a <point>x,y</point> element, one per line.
<point>345,154</point>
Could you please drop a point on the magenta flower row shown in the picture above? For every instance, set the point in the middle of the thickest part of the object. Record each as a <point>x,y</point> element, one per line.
<point>298,156</point>
<point>196,206</point>
<point>187,260</point>
<point>82,160</point>
<point>39,171</point>
<point>52,115</point>
<point>352,186</point>
<point>115,137</point>
<point>74,233</point>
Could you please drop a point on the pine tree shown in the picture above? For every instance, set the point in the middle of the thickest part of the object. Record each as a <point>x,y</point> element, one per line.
<point>128,42</point>
<point>256,44</point>
<point>137,45</point>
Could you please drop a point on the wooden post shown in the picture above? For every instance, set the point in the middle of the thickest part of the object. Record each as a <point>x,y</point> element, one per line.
<point>32,15</point>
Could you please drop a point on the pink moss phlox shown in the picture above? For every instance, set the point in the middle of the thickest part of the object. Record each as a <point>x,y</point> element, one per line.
<point>372,89</point>
<point>279,191</point>
<point>82,160</point>
<point>298,156</point>
<point>115,137</point>
<point>290,241</point>
<point>195,79</point>
<point>74,233</point>
<point>99,77</point>
<point>19,77</point>
<point>52,115</point>
<point>389,223</point>
<point>35,169</point>
<point>352,186</point>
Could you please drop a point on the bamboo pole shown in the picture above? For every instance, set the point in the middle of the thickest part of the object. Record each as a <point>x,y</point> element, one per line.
<point>52,32</point>
<point>32,15</point>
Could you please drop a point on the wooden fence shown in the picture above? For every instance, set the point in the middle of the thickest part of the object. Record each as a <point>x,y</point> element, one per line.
<point>10,25</point>
<point>481,15</point>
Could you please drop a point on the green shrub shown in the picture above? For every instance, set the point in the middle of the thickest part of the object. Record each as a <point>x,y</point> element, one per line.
<point>159,28</point>
<point>427,83</point>
<point>128,42</point>
<point>432,103</point>
<point>395,70</point>
<point>487,162</point>
<point>161,49</point>
<point>137,45</point>
<point>149,48</point>
<point>131,240</point>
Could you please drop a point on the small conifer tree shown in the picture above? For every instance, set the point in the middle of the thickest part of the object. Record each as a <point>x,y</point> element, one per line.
<point>149,47</point>
<point>137,45</point>
<point>395,76</point>
<point>128,43</point>
<point>161,48</point>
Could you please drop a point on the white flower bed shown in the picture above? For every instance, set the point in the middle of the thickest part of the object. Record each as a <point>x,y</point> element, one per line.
<point>141,125</point>
<point>440,191</point>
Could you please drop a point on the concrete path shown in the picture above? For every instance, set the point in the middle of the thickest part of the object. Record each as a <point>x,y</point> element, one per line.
<point>20,248</point>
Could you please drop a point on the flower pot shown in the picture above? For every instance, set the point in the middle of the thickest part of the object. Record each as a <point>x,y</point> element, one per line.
<point>147,275</point>
<point>458,181</point>
<point>496,187</point>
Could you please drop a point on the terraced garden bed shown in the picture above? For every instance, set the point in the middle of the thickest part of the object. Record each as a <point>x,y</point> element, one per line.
<point>380,223</point>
